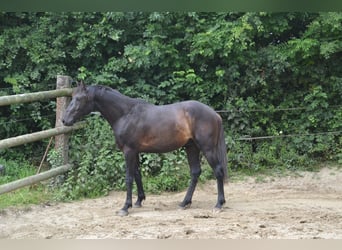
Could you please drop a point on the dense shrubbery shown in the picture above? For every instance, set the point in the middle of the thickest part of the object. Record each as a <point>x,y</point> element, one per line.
<point>275,73</point>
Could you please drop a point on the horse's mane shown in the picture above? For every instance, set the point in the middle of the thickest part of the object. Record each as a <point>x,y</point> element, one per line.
<point>102,87</point>
<point>102,90</point>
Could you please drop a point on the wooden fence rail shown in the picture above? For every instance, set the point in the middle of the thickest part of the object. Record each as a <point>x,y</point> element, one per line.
<point>60,132</point>
<point>37,136</point>
<point>33,179</point>
<point>32,97</point>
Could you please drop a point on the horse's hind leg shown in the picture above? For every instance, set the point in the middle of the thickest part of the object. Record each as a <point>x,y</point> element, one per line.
<point>217,167</point>
<point>193,153</point>
<point>138,181</point>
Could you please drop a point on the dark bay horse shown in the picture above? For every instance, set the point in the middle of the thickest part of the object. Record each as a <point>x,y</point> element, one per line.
<point>142,127</point>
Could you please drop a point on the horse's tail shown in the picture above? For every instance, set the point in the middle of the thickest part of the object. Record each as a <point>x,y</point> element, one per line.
<point>222,151</point>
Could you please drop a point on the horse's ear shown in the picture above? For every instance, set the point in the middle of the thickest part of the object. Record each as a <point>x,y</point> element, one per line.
<point>82,85</point>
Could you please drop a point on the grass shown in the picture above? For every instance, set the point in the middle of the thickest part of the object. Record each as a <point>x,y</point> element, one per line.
<point>36,194</point>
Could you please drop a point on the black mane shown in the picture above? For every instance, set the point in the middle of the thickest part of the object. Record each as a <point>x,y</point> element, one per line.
<point>103,90</point>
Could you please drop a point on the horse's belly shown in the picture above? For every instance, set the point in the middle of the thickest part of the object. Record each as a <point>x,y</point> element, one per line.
<point>164,130</point>
<point>165,140</point>
<point>161,148</point>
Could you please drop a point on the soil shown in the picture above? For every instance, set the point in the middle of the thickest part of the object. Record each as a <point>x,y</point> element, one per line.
<point>308,205</point>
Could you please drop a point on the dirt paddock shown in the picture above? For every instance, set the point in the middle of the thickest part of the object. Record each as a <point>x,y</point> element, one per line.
<point>306,206</point>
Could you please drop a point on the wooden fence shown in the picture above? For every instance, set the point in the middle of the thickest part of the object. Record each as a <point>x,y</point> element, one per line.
<point>62,93</point>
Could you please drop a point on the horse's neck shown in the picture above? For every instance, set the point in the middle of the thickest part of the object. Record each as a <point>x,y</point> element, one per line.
<point>112,105</point>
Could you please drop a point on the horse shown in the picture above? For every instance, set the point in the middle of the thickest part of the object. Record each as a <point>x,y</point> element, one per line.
<point>139,126</point>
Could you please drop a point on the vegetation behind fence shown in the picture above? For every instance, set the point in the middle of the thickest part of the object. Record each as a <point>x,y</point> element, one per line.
<point>60,133</point>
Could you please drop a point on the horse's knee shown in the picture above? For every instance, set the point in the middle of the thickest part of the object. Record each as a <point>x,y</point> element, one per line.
<point>196,172</point>
<point>219,172</point>
<point>129,180</point>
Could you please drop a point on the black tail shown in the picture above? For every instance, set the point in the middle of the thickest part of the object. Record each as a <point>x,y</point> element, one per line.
<point>222,152</point>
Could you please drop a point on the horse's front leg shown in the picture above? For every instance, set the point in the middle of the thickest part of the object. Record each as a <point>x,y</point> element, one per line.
<point>131,167</point>
<point>138,181</point>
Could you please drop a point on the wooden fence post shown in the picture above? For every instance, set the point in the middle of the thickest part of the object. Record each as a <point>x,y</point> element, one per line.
<point>62,141</point>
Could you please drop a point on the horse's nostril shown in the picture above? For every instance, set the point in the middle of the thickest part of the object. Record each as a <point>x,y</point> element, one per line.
<point>63,121</point>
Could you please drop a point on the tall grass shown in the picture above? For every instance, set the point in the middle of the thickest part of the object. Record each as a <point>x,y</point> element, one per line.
<point>13,170</point>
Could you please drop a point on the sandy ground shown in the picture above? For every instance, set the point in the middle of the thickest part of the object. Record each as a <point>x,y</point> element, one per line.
<point>307,206</point>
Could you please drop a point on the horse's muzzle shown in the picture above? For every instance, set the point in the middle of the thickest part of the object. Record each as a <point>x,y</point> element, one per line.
<point>67,123</point>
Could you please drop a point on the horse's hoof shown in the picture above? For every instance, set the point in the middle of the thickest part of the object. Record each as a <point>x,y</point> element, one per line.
<point>217,210</point>
<point>137,205</point>
<point>184,207</point>
<point>122,212</point>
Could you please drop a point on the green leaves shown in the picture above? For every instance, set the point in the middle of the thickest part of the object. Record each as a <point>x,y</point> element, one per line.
<point>98,166</point>
<point>327,49</point>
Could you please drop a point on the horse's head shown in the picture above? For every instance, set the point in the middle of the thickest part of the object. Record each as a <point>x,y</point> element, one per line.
<point>79,106</point>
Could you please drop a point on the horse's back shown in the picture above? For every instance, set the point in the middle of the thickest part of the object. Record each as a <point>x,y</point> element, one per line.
<point>200,111</point>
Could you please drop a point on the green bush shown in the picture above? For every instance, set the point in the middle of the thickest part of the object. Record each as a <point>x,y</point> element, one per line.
<point>171,173</point>
<point>259,156</point>
<point>98,167</point>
